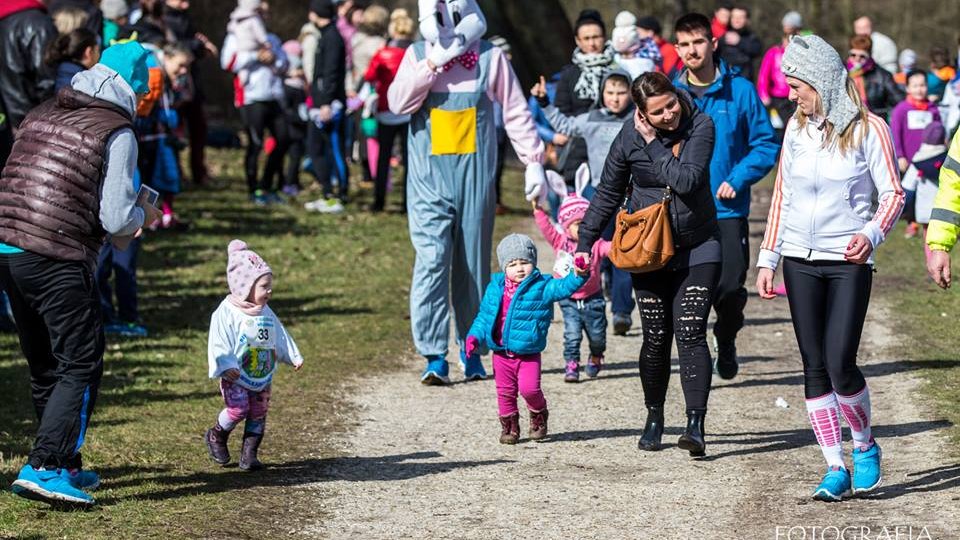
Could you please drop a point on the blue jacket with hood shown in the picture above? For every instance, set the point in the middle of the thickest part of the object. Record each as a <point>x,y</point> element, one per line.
<point>746,148</point>
<point>529,315</point>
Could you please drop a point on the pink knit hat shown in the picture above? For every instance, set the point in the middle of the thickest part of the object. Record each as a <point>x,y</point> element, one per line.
<point>244,267</point>
<point>573,208</point>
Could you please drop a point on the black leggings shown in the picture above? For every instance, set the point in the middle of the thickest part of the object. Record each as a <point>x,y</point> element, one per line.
<point>676,302</point>
<point>385,137</point>
<point>260,117</point>
<point>828,304</point>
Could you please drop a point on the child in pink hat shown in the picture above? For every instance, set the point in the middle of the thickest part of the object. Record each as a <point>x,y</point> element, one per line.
<point>586,310</point>
<point>246,343</point>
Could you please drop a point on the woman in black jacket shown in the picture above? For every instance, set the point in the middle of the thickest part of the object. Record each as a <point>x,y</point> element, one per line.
<point>675,299</point>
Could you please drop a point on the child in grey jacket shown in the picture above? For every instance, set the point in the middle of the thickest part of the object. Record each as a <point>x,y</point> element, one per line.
<point>600,126</point>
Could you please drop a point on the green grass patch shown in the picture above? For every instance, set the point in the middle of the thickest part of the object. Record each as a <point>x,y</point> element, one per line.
<point>924,319</point>
<point>341,288</point>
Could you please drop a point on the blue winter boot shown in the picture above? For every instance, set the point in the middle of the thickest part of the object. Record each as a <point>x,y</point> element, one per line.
<point>866,469</point>
<point>437,372</point>
<point>834,486</point>
<point>50,486</point>
<point>472,367</point>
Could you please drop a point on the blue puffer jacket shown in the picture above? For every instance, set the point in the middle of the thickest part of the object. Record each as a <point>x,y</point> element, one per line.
<point>530,313</point>
<point>746,148</point>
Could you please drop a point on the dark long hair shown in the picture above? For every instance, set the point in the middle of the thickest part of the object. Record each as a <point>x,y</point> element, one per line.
<point>70,47</point>
<point>652,84</point>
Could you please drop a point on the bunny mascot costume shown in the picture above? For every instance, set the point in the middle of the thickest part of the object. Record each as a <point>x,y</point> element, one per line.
<point>449,84</point>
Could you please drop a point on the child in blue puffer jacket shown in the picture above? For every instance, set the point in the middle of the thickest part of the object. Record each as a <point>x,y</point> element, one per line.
<point>513,321</point>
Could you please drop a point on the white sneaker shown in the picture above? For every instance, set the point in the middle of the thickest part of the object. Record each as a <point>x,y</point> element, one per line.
<point>324,206</point>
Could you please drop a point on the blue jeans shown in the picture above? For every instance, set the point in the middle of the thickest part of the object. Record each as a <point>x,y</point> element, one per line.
<point>123,266</point>
<point>619,281</point>
<point>579,316</point>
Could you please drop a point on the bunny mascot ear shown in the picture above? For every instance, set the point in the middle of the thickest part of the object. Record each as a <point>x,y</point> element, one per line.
<point>469,23</point>
<point>557,184</point>
<point>582,179</point>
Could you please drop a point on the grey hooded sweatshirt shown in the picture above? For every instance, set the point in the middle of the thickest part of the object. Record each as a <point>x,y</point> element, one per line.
<point>119,213</point>
<point>599,127</point>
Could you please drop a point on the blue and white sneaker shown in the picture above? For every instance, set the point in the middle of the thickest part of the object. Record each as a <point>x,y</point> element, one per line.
<point>49,486</point>
<point>126,329</point>
<point>472,367</point>
<point>866,469</point>
<point>81,479</point>
<point>834,486</point>
<point>437,372</point>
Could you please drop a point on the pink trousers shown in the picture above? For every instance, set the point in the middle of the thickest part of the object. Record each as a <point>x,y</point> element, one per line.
<point>515,374</point>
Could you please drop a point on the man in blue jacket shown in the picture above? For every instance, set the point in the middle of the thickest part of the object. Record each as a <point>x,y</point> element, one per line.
<point>745,152</point>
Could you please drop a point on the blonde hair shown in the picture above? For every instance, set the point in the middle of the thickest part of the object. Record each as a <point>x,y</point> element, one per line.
<point>69,19</point>
<point>852,136</point>
<point>401,25</point>
<point>374,21</point>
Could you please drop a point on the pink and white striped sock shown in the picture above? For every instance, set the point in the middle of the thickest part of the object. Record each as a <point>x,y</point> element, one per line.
<point>825,420</point>
<point>856,411</point>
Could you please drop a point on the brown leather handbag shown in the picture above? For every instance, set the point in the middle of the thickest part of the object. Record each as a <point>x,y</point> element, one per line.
<point>643,241</point>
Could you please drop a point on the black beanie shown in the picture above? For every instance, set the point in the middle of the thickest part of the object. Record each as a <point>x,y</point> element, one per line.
<point>323,8</point>
<point>650,23</point>
<point>589,16</point>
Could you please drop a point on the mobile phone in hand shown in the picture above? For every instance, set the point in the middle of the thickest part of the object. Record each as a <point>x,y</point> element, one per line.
<point>148,195</point>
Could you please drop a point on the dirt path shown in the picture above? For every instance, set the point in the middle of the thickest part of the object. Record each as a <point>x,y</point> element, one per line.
<point>426,463</point>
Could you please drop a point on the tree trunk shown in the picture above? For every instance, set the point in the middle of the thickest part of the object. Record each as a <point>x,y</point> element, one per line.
<point>539,33</point>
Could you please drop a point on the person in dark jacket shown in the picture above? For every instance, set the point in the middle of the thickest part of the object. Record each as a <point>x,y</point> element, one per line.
<point>748,152</point>
<point>329,93</point>
<point>877,88</point>
<point>68,182</point>
<point>180,24</point>
<point>72,53</point>
<point>740,47</point>
<point>579,86</point>
<point>665,151</point>
<point>25,32</point>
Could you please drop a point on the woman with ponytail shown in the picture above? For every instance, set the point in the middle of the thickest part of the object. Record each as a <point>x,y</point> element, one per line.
<point>72,53</point>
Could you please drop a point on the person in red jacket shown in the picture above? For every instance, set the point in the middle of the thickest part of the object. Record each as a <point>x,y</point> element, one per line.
<point>381,72</point>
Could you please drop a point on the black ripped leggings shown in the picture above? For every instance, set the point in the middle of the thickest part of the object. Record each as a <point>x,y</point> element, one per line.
<point>676,302</point>
<point>828,304</point>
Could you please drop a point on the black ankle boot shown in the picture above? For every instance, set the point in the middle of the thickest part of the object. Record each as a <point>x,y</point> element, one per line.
<point>652,430</point>
<point>692,439</point>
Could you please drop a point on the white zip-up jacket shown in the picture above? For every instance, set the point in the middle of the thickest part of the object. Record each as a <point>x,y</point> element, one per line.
<point>823,198</point>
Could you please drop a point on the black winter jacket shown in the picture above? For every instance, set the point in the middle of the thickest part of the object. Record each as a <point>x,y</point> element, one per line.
<point>743,54</point>
<point>569,104</point>
<point>648,169</point>
<point>883,94</point>
<point>330,69</point>
<point>25,81</point>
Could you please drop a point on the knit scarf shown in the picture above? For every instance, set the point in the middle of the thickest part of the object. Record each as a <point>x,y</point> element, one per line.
<point>857,72</point>
<point>249,308</point>
<point>592,66</point>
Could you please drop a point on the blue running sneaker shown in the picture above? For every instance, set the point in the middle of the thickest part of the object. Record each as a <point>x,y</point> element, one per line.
<point>866,469</point>
<point>49,486</point>
<point>437,372</point>
<point>125,329</point>
<point>81,479</point>
<point>472,367</point>
<point>834,486</point>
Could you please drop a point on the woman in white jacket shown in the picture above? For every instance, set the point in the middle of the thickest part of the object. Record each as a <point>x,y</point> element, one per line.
<point>825,225</point>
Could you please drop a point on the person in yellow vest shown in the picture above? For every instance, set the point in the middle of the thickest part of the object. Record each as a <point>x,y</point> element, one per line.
<point>945,218</point>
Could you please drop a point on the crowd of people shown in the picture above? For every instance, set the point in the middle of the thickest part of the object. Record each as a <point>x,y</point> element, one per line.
<point>634,121</point>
